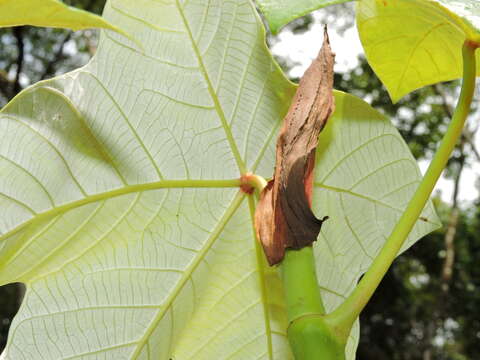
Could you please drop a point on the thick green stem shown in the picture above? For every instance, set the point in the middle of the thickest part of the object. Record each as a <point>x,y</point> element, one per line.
<point>312,338</point>
<point>302,295</point>
<point>309,334</point>
<point>345,315</point>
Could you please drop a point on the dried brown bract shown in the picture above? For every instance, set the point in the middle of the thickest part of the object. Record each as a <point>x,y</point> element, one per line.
<point>284,218</point>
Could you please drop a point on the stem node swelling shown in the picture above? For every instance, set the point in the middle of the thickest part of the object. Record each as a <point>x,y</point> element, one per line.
<point>249,182</point>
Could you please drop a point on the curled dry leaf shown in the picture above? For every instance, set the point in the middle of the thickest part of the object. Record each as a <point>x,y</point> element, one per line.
<point>284,218</point>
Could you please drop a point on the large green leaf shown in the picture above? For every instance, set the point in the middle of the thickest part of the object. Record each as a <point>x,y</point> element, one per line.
<point>119,199</point>
<point>49,13</point>
<point>280,12</point>
<point>413,43</point>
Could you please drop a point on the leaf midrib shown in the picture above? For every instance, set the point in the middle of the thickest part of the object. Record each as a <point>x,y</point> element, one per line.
<point>230,183</point>
<point>216,232</point>
<point>213,95</point>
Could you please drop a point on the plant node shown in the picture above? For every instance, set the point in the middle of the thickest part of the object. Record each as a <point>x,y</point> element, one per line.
<point>472,44</point>
<point>249,182</point>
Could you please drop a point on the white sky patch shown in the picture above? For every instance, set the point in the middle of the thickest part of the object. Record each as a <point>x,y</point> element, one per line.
<point>303,48</point>
<point>468,190</point>
<point>468,9</point>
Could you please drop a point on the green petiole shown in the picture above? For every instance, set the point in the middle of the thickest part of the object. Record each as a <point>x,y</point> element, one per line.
<point>345,315</point>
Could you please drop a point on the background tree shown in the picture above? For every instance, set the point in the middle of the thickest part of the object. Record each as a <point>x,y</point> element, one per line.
<point>29,54</point>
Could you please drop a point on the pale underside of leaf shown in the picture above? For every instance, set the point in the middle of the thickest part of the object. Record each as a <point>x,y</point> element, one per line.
<point>119,199</point>
<point>426,51</point>
<point>118,222</point>
<point>365,175</point>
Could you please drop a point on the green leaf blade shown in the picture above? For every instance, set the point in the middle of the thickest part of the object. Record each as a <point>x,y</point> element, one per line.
<point>411,44</point>
<point>280,12</point>
<point>50,13</point>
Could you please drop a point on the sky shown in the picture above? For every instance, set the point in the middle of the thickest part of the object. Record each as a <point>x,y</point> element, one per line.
<point>303,48</point>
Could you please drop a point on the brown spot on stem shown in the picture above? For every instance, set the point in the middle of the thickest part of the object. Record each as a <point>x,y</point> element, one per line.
<point>473,44</point>
<point>284,218</point>
<point>245,184</point>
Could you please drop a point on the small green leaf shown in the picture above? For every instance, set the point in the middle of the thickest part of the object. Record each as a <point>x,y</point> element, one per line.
<point>280,12</point>
<point>414,43</point>
<point>50,13</point>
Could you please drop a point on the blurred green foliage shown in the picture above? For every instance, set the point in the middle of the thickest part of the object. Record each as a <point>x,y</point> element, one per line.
<point>29,54</point>
<point>411,317</point>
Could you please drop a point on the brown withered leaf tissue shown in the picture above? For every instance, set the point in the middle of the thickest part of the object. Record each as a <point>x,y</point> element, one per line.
<point>284,218</point>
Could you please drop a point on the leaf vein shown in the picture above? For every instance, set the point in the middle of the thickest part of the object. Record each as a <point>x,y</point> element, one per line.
<point>213,94</point>
<point>230,211</point>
